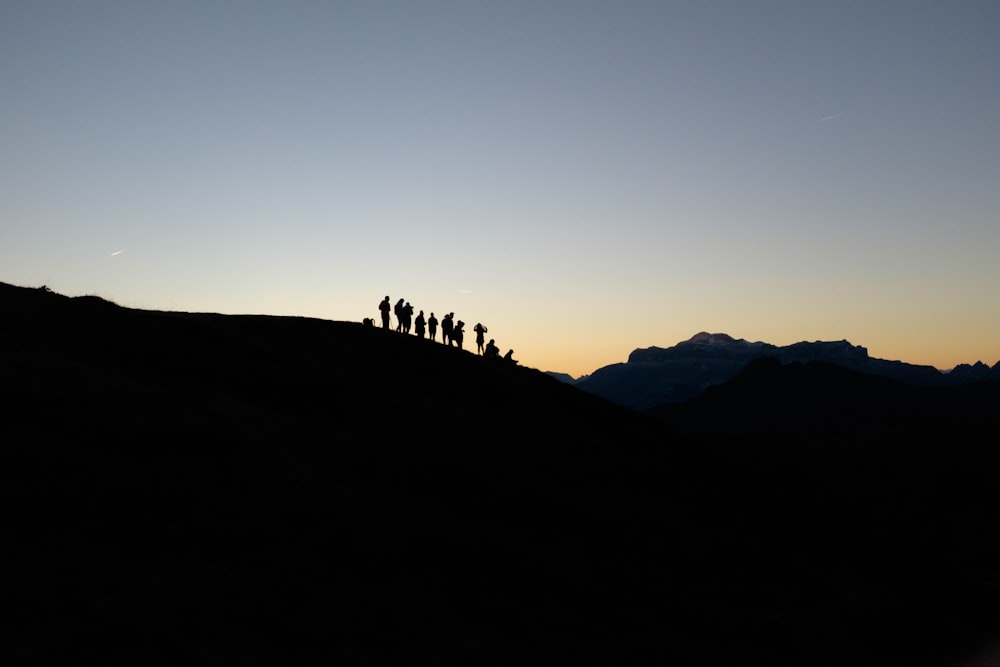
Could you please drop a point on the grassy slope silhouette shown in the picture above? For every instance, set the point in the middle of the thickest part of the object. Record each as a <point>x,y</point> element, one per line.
<point>197,488</point>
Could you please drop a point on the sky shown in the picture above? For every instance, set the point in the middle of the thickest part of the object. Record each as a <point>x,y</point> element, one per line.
<point>584,178</point>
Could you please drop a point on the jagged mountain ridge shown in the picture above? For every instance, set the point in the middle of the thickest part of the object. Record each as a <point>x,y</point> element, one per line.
<point>655,375</point>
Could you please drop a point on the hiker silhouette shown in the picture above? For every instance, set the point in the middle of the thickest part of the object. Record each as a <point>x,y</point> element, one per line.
<point>446,328</point>
<point>432,326</point>
<point>398,311</point>
<point>509,357</point>
<point>419,324</point>
<point>480,337</point>
<point>384,308</point>
<point>407,317</point>
<point>491,351</point>
<point>458,333</point>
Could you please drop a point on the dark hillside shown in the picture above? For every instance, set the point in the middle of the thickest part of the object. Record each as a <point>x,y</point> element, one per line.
<point>203,489</point>
<point>897,480</point>
<point>820,400</point>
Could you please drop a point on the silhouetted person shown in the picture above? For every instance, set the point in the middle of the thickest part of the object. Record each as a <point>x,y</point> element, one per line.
<point>491,351</point>
<point>458,333</point>
<point>398,310</point>
<point>446,326</point>
<point>384,308</point>
<point>510,357</point>
<point>368,322</point>
<point>432,326</point>
<point>480,337</point>
<point>419,324</point>
<point>407,317</point>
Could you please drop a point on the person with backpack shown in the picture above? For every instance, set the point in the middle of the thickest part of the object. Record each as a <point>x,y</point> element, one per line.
<point>398,310</point>
<point>458,333</point>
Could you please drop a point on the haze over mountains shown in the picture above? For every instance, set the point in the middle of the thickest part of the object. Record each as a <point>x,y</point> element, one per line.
<point>201,489</point>
<point>654,375</point>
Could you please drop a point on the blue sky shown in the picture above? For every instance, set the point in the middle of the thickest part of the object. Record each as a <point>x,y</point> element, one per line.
<point>582,177</point>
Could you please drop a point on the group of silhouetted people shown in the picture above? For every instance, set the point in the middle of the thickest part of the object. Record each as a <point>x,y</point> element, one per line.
<point>452,330</point>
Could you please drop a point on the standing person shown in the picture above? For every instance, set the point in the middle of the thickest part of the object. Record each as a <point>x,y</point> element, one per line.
<point>446,327</point>
<point>480,337</point>
<point>419,324</point>
<point>432,326</point>
<point>384,308</point>
<point>458,333</point>
<point>398,310</point>
<point>407,317</point>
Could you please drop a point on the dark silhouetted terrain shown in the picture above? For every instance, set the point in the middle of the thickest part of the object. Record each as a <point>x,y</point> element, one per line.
<point>200,489</point>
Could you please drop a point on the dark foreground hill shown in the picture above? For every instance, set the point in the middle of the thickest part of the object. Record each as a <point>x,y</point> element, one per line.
<point>204,489</point>
<point>819,401</point>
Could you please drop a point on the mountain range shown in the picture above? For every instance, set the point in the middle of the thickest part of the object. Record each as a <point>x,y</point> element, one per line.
<point>654,375</point>
<point>205,489</point>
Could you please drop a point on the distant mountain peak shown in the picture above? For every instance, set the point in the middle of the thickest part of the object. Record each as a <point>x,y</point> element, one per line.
<point>706,338</point>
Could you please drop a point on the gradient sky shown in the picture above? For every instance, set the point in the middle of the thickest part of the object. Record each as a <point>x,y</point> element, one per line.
<point>584,178</point>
